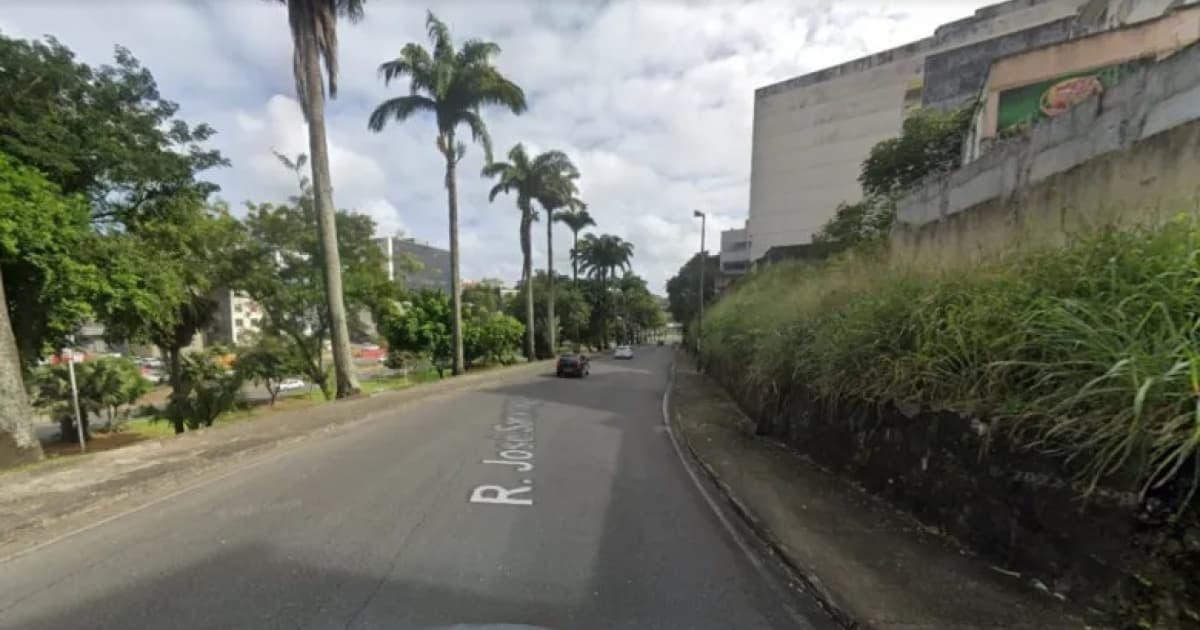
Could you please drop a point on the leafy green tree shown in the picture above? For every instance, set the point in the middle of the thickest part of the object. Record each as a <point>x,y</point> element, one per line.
<point>494,337</point>
<point>46,245</point>
<point>573,312</point>
<point>682,289</point>
<point>103,132</point>
<point>208,387</point>
<point>484,295</point>
<point>640,312</point>
<point>45,288</point>
<point>314,41</point>
<point>452,85</point>
<point>282,270</point>
<point>549,180</point>
<point>576,221</point>
<point>930,142</point>
<point>268,361</point>
<point>856,223</point>
<point>421,326</point>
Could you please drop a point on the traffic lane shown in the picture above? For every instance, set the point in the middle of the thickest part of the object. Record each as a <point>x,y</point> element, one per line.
<point>269,546</point>
<point>374,529</point>
<point>662,558</point>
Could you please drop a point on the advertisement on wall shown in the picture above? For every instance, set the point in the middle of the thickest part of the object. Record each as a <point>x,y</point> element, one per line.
<point>1028,104</point>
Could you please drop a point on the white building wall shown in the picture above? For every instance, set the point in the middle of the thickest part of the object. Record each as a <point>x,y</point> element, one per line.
<point>812,133</point>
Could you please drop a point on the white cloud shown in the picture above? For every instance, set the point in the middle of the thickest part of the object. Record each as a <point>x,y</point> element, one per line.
<point>652,99</point>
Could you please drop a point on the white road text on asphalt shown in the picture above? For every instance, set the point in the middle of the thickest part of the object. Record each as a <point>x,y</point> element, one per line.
<point>514,456</point>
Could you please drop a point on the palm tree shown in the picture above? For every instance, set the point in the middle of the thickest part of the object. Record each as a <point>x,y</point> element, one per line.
<point>576,220</point>
<point>601,258</point>
<point>561,196</point>
<point>452,85</point>
<point>547,179</point>
<point>314,40</point>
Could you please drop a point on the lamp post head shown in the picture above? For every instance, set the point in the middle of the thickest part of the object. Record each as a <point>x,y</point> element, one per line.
<point>697,214</point>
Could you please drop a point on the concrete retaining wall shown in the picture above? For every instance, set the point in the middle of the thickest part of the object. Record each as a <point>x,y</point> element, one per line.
<point>1130,155</point>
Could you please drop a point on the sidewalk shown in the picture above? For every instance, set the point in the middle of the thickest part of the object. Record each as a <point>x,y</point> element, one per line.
<point>47,500</point>
<point>870,565</point>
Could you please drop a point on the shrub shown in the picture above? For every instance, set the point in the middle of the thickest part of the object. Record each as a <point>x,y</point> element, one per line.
<point>207,389</point>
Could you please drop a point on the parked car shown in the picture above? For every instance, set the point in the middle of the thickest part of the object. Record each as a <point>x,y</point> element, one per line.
<point>623,352</point>
<point>289,384</point>
<point>572,364</point>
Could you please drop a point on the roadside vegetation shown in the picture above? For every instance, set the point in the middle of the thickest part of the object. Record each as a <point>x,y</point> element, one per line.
<point>1090,353</point>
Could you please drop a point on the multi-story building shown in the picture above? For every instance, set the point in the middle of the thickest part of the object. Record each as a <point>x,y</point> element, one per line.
<point>236,320</point>
<point>735,251</point>
<point>416,265</point>
<point>812,132</point>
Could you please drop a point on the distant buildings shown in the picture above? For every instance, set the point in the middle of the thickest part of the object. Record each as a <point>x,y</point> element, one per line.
<point>811,133</point>
<point>416,265</point>
<point>735,251</point>
<point>236,318</point>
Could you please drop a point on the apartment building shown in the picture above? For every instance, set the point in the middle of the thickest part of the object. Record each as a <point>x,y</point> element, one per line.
<point>236,318</point>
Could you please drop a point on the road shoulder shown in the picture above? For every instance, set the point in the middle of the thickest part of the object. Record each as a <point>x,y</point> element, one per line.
<point>870,565</point>
<point>44,503</point>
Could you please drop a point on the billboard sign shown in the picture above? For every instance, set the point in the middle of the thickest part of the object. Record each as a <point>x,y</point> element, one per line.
<point>1026,105</point>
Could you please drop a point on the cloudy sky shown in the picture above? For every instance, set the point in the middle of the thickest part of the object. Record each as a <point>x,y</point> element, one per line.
<point>652,99</point>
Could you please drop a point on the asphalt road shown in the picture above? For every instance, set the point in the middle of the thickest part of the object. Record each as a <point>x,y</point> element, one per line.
<point>375,528</point>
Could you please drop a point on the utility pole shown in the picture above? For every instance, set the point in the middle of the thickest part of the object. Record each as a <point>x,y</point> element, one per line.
<point>75,395</point>
<point>703,263</point>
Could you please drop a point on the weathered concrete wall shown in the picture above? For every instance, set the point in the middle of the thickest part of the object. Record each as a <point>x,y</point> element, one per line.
<point>1130,155</point>
<point>955,77</point>
<point>1132,558</point>
<point>812,132</point>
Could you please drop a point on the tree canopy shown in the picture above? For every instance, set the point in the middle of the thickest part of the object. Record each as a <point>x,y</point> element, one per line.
<point>281,270</point>
<point>930,142</point>
<point>683,288</point>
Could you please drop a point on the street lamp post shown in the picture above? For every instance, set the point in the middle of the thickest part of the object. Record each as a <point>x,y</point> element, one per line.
<point>703,263</point>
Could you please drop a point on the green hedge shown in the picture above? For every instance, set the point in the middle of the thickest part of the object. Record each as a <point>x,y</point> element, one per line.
<point>1090,352</point>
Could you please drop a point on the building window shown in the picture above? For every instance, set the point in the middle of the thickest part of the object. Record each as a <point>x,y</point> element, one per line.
<point>239,323</point>
<point>237,308</point>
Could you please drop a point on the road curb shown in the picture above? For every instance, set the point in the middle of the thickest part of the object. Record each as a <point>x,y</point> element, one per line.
<point>812,583</point>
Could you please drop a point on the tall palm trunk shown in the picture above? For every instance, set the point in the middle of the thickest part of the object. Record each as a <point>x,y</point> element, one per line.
<point>18,443</point>
<point>575,258</point>
<point>607,305</point>
<point>527,278</point>
<point>331,268</point>
<point>551,324</point>
<point>456,339</point>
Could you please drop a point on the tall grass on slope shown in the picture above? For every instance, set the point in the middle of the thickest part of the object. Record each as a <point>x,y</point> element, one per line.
<point>1090,353</point>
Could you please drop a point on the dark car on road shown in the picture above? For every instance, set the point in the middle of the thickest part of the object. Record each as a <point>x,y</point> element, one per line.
<point>572,364</point>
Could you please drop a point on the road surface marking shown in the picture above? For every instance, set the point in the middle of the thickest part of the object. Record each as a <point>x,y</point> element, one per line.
<point>514,445</point>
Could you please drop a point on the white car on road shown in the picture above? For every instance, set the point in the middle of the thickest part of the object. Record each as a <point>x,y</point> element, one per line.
<point>289,384</point>
<point>623,352</point>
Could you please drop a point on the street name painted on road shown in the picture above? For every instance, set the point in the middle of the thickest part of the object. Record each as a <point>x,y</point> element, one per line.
<point>513,439</point>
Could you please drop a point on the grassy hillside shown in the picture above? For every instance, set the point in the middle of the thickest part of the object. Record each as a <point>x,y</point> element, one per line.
<point>1091,353</point>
